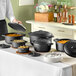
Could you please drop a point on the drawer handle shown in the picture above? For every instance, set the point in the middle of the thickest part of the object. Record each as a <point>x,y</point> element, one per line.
<point>61,31</point>
<point>42,27</point>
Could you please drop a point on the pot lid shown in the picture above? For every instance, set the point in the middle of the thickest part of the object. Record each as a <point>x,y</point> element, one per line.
<point>4,46</point>
<point>41,34</point>
<point>17,26</point>
<point>70,48</point>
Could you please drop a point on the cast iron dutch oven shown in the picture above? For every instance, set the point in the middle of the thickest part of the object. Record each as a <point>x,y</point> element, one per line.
<point>40,35</point>
<point>9,39</point>
<point>70,48</point>
<point>42,45</point>
<point>18,43</point>
<point>60,46</point>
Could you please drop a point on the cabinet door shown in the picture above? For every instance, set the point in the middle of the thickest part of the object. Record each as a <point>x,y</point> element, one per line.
<point>37,27</point>
<point>61,32</point>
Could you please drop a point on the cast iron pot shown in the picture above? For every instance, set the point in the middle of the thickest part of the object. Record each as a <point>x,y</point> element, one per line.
<point>9,39</point>
<point>40,35</point>
<point>60,46</point>
<point>70,48</point>
<point>18,44</point>
<point>42,45</point>
<point>23,50</point>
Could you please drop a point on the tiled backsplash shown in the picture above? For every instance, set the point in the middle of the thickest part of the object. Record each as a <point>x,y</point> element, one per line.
<point>72,3</point>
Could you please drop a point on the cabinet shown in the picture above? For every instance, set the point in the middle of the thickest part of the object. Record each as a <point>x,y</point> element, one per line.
<point>57,29</point>
<point>58,32</point>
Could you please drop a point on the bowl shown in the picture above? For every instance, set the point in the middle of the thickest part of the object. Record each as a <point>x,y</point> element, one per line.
<point>53,57</point>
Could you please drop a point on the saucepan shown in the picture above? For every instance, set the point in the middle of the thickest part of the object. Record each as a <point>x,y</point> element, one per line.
<point>60,44</point>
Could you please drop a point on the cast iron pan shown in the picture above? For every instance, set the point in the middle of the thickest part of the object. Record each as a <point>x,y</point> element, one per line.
<point>70,48</point>
<point>17,26</point>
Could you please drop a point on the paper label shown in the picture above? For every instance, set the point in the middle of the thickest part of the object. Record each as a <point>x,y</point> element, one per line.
<point>55,14</point>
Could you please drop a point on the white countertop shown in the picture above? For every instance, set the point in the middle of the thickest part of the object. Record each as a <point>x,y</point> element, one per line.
<point>20,63</point>
<point>54,24</point>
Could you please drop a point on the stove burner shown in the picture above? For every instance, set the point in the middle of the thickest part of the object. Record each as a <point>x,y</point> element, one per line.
<point>4,46</point>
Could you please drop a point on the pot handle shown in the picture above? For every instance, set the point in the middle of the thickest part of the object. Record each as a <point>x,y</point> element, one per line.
<point>56,39</point>
<point>29,33</point>
<point>34,41</point>
<point>52,35</point>
<point>3,35</point>
<point>25,41</point>
<point>11,40</point>
<point>50,43</point>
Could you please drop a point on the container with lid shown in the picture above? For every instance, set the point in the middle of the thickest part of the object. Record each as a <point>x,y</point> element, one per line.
<point>34,36</point>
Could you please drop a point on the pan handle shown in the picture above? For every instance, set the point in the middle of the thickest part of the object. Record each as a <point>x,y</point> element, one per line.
<point>50,43</point>
<point>56,39</point>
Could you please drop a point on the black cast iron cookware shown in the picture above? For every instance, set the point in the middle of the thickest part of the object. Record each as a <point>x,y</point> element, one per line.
<point>60,46</point>
<point>40,35</point>
<point>70,48</point>
<point>42,45</point>
<point>9,39</point>
<point>16,26</point>
<point>4,46</point>
<point>18,44</point>
<point>23,50</point>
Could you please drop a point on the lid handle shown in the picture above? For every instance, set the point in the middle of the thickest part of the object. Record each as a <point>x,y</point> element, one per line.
<point>56,39</point>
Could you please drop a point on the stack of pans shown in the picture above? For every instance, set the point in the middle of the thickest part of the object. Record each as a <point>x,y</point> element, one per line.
<point>9,37</point>
<point>16,39</point>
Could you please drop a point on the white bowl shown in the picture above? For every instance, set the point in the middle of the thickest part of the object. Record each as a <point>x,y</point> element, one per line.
<point>53,57</point>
